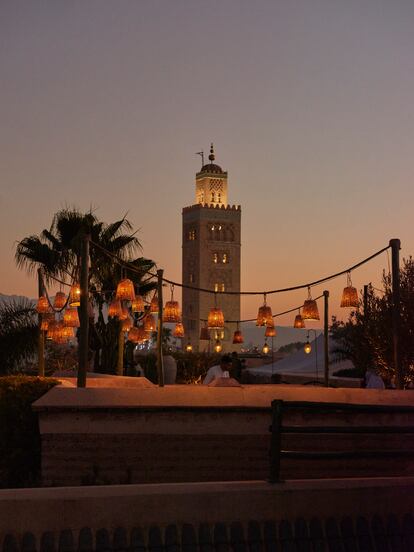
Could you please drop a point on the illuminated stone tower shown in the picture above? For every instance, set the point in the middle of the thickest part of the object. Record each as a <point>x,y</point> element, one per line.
<point>211,256</point>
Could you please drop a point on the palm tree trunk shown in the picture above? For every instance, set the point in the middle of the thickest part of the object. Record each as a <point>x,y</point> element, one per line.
<point>120,363</point>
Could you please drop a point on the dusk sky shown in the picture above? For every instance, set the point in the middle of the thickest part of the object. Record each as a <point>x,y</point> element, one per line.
<point>310,105</point>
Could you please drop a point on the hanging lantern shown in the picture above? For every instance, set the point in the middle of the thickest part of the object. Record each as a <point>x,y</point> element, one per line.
<point>310,308</point>
<point>74,296</point>
<point>71,318</point>
<point>58,335</point>
<point>307,348</point>
<point>264,315</point>
<point>126,324</point>
<point>237,337</point>
<point>51,330</point>
<point>215,319</point>
<point>299,323</point>
<point>270,331</point>
<point>266,348</point>
<point>44,324</point>
<point>124,313</point>
<point>154,303</point>
<point>138,304</point>
<point>60,300</point>
<point>217,346</point>
<point>204,334</point>
<point>178,330</point>
<point>67,333</point>
<point>115,309</point>
<point>350,294</point>
<point>171,312</point>
<point>189,348</point>
<point>149,323</point>
<point>133,334</point>
<point>42,305</point>
<point>125,290</point>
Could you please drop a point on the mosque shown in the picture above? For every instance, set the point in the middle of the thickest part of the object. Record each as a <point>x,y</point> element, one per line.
<point>211,243</point>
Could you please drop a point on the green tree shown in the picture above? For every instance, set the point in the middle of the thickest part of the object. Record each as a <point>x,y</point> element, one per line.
<point>18,335</point>
<point>57,252</point>
<point>366,337</point>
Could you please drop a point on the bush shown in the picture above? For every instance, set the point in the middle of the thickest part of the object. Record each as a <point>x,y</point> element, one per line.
<point>19,430</point>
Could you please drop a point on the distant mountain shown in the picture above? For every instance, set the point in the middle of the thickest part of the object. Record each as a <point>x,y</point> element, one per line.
<point>284,334</point>
<point>12,298</point>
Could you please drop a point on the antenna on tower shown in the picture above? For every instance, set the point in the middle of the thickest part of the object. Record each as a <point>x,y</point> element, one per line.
<point>202,157</point>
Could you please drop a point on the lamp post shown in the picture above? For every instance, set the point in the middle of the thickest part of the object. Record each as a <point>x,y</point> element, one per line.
<point>308,349</point>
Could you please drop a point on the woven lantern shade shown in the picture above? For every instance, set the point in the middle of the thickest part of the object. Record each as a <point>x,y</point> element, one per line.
<point>133,334</point>
<point>124,313</point>
<point>125,290</point>
<point>115,309</point>
<point>218,346</point>
<point>149,323</point>
<point>60,300</point>
<point>299,323</point>
<point>138,304</point>
<point>178,330</point>
<point>238,337</point>
<point>154,303</point>
<point>51,329</point>
<point>204,334</point>
<point>270,331</point>
<point>68,333</point>
<point>42,305</point>
<point>350,297</point>
<point>57,333</point>
<point>44,324</point>
<point>310,308</point>
<point>126,324</point>
<point>264,315</point>
<point>215,319</point>
<point>171,312</point>
<point>350,294</point>
<point>74,296</point>
<point>71,318</point>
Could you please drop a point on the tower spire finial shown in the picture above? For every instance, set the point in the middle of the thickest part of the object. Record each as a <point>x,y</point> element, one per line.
<point>211,156</point>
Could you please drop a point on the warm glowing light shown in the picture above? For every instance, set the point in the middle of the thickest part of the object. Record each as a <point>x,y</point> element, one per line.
<point>349,295</point>
<point>171,312</point>
<point>307,348</point>
<point>149,323</point>
<point>310,308</point>
<point>215,319</point>
<point>115,309</point>
<point>265,349</point>
<point>126,324</point>
<point>74,296</point>
<point>178,330</point>
<point>60,300</point>
<point>42,305</point>
<point>217,346</point>
<point>138,304</point>
<point>189,348</point>
<point>125,290</point>
<point>264,315</point>
<point>299,322</point>
<point>71,318</point>
<point>238,337</point>
<point>137,334</point>
<point>270,331</point>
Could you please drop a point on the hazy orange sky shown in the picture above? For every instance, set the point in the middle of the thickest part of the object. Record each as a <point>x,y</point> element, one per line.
<point>309,104</point>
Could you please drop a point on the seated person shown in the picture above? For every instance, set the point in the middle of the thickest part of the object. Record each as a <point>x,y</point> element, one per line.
<point>218,370</point>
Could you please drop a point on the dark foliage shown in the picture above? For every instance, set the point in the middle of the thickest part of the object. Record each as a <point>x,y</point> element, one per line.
<point>19,431</point>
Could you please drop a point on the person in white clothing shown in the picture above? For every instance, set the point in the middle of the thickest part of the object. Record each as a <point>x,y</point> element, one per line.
<point>218,371</point>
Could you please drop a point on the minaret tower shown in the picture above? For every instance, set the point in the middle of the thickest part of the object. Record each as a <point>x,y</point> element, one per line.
<point>211,256</point>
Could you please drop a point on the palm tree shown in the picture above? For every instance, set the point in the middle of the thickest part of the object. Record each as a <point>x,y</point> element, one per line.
<point>57,252</point>
<point>18,335</point>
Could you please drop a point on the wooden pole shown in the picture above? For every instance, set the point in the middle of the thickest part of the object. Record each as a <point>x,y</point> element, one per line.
<point>84,318</point>
<point>121,344</point>
<point>326,336</point>
<point>41,336</point>
<point>366,301</point>
<point>395,245</point>
<point>160,364</point>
